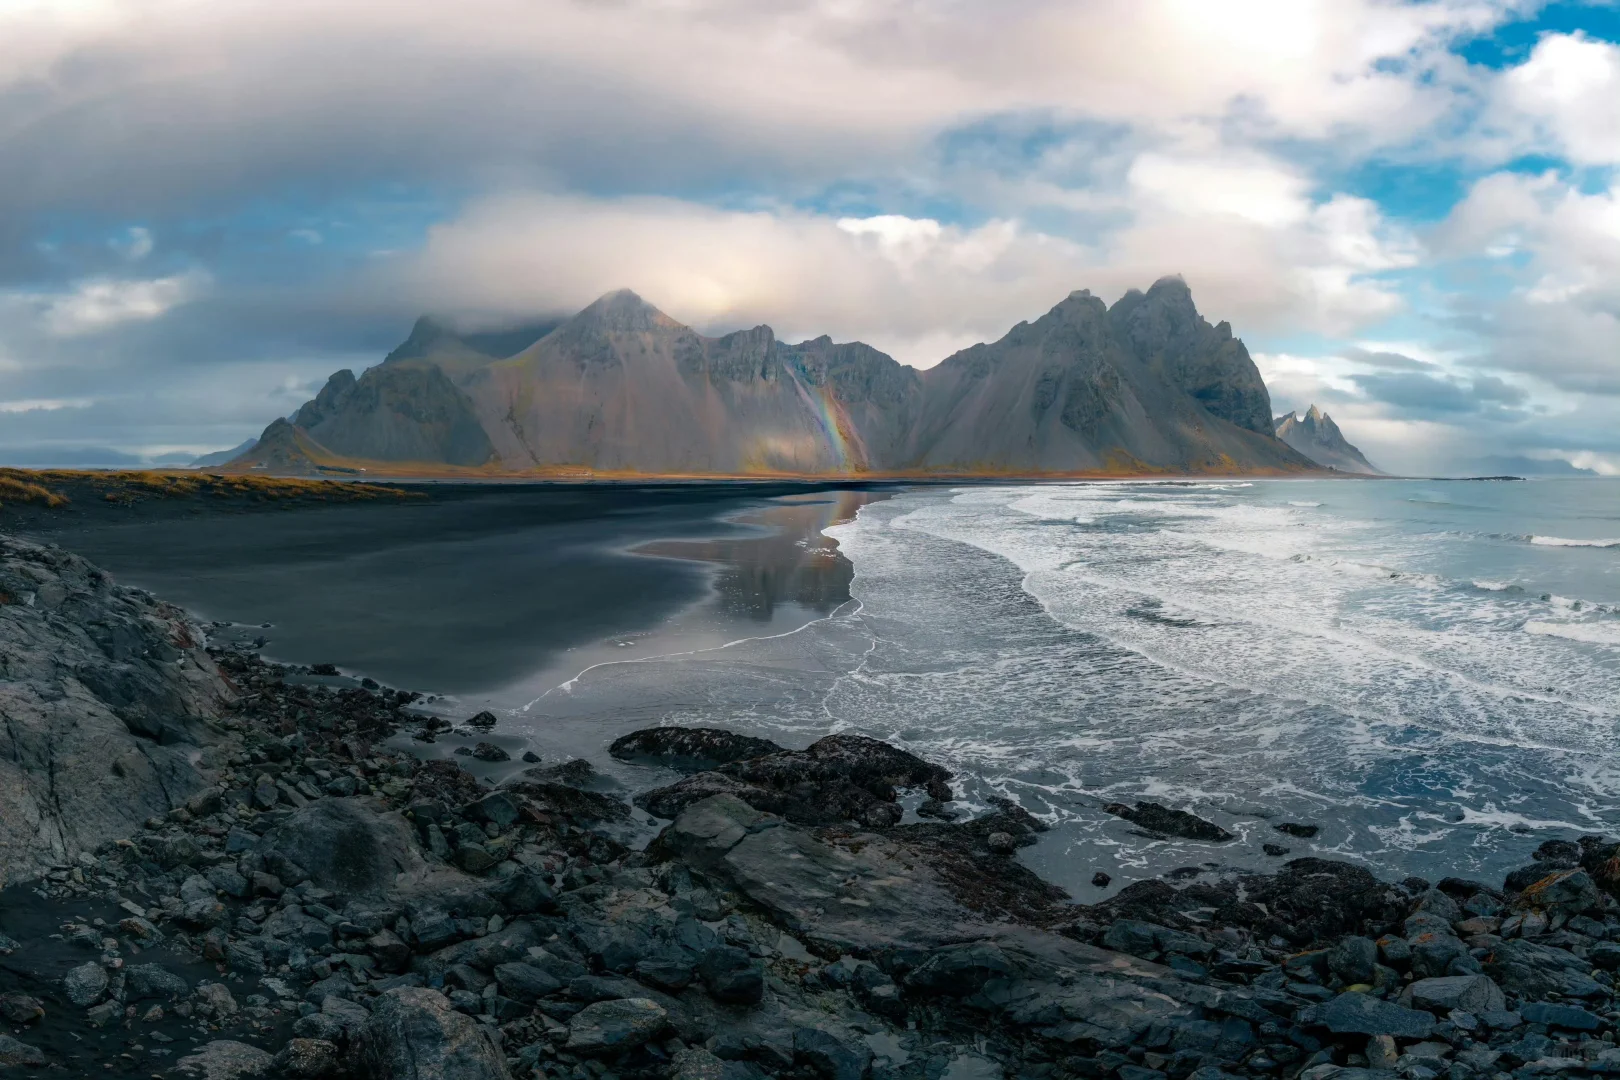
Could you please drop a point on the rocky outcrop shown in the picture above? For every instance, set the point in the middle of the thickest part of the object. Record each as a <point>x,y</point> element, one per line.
<point>106,700</point>
<point>740,944</point>
<point>285,450</point>
<point>688,749</point>
<point>1319,438</point>
<point>838,779</point>
<point>1147,385</point>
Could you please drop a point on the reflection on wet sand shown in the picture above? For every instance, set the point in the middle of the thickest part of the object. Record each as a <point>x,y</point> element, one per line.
<point>793,563</point>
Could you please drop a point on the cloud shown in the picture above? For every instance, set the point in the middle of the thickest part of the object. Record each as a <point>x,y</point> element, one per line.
<point>1256,190</point>
<point>1558,315</point>
<point>911,286</point>
<point>1424,394</point>
<point>99,304</point>
<point>920,176</point>
<point>1568,91</point>
<point>134,244</point>
<point>1385,359</point>
<point>44,405</point>
<point>648,92</point>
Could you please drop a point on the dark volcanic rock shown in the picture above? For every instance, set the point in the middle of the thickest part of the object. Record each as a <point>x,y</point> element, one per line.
<point>353,846</point>
<point>306,1059</point>
<point>685,749</point>
<point>1534,971</point>
<point>1162,819</point>
<point>1293,828</point>
<point>1363,1014</point>
<point>107,695</point>
<point>838,779</point>
<point>1476,994</point>
<point>609,1026</point>
<point>570,802</point>
<point>225,1059</point>
<point>17,1054</point>
<point>414,1034</point>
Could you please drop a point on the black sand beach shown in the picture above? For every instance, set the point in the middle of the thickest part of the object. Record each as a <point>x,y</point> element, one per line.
<point>466,586</point>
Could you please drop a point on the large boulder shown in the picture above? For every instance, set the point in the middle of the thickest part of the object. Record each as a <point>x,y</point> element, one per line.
<point>608,1027</point>
<point>107,696</point>
<point>1363,1014</point>
<point>1475,994</point>
<point>862,895</point>
<point>414,1034</point>
<point>225,1059</point>
<point>355,847</point>
<point>86,984</point>
<point>1534,971</point>
<point>1571,892</point>
<point>17,1054</point>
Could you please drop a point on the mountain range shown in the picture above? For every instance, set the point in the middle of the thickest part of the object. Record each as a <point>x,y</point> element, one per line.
<point>1147,385</point>
<point>1319,438</point>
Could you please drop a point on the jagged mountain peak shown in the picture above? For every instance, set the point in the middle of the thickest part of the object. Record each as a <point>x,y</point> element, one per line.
<point>426,333</point>
<point>1079,305</point>
<point>624,311</point>
<point>433,338</point>
<point>1146,384</point>
<point>1319,438</point>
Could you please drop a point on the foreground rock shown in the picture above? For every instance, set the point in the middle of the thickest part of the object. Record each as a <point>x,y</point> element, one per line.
<point>328,906</point>
<point>108,699</point>
<point>838,779</point>
<point>1167,822</point>
<point>689,749</point>
<point>415,1034</point>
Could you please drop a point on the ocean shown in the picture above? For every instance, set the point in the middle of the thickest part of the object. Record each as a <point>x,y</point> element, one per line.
<point>1429,671</point>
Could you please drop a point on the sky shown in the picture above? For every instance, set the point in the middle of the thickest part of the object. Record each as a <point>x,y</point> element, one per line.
<point>1409,211</point>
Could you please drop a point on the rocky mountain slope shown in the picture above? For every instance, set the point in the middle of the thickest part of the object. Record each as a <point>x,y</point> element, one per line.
<point>106,697</point>
<point>1319,438</point>
<point>1147,385</point>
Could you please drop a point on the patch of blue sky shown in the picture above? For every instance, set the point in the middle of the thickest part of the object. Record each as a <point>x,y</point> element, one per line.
<point>1511,43</point>
<point>1012,143</point>
<point>391,218</point>
<point>1413,192</point>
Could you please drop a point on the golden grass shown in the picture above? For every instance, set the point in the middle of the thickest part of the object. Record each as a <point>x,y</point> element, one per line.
<point>15,487</point>
<point>132,486</point>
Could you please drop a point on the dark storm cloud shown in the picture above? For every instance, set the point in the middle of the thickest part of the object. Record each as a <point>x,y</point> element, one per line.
<point>1420,395</point>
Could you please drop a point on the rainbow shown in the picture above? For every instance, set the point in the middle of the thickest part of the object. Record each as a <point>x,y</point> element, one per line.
<point>849,453</point>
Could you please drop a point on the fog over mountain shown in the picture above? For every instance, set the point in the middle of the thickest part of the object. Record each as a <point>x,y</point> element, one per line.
<point>1147,385</point>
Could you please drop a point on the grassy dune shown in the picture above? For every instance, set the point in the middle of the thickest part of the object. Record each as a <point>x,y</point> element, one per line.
<point>57,488</point>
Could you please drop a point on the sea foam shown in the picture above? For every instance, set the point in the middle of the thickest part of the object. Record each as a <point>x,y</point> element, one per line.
<point>1559,541</point>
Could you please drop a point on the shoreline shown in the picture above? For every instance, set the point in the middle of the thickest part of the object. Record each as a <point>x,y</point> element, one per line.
<point>466,590</point>
<point>1289,961</point>
<point>356,912</point>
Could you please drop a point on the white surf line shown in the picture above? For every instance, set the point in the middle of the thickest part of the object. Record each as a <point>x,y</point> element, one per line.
<point>568,686</point>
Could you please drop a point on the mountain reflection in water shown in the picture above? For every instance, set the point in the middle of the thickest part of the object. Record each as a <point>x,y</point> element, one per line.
<point>790,562</point>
